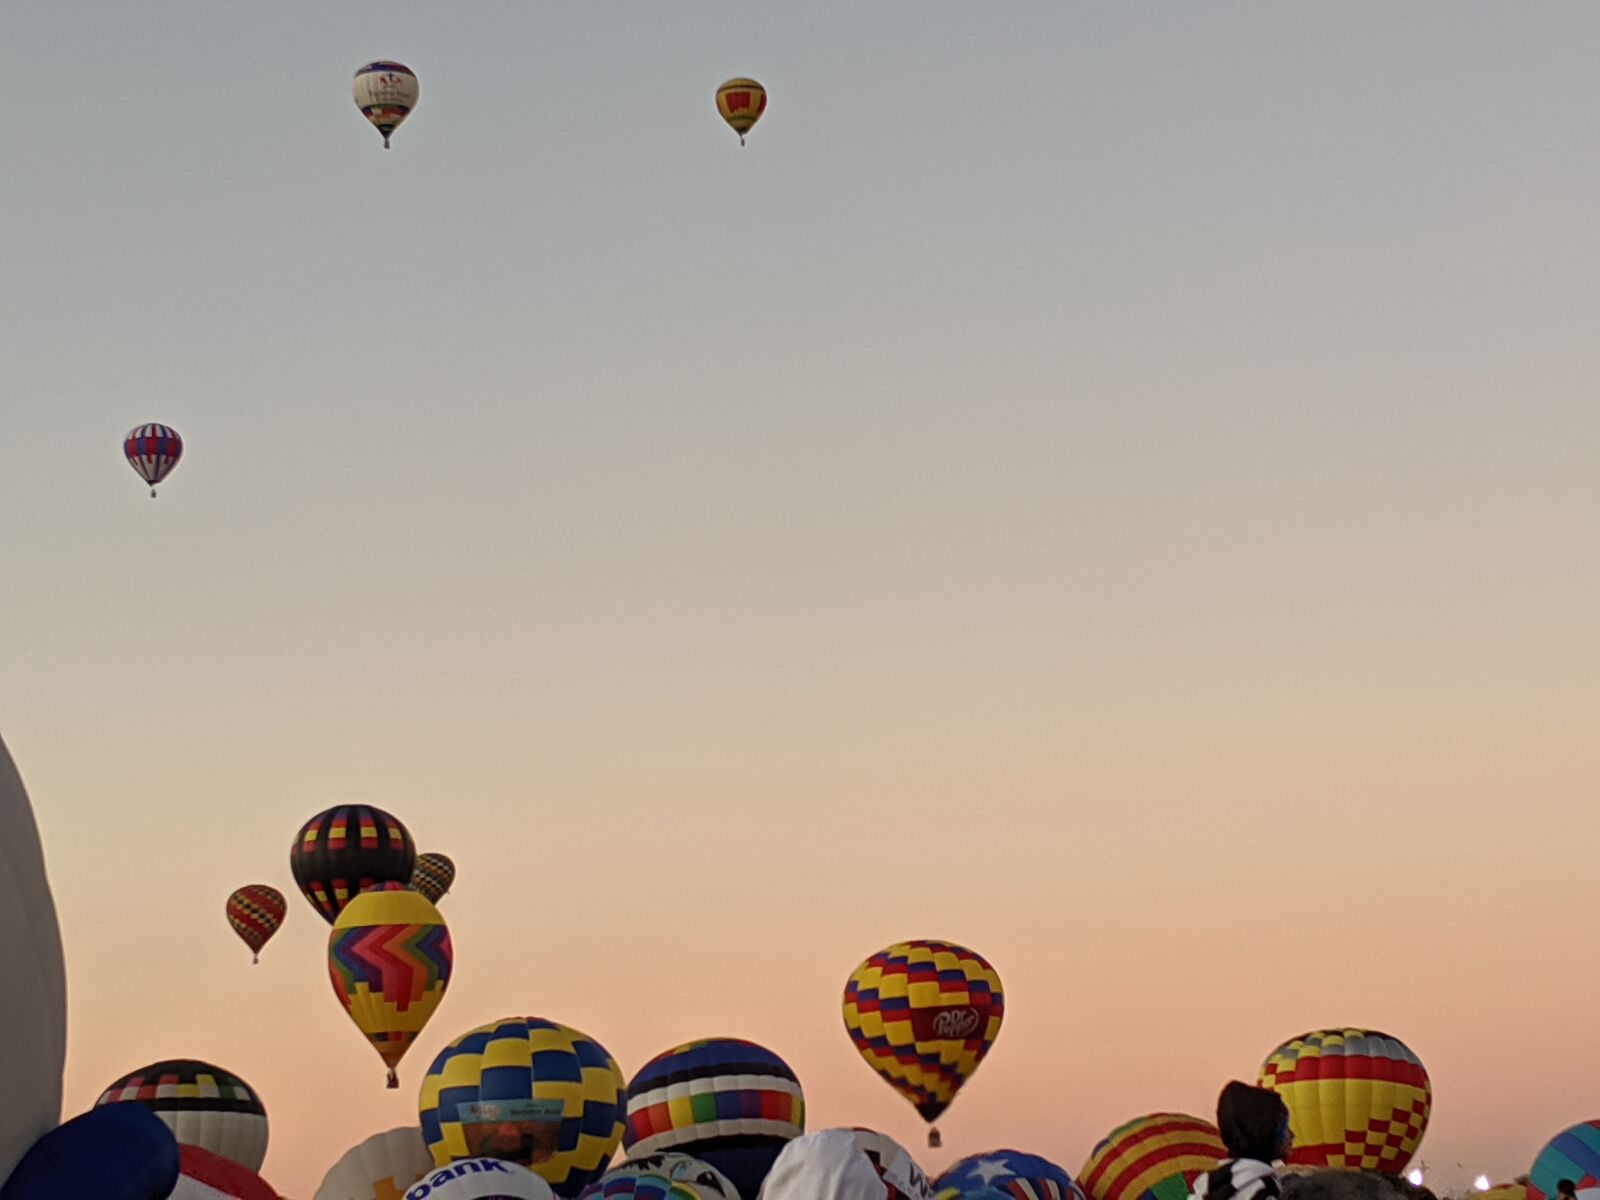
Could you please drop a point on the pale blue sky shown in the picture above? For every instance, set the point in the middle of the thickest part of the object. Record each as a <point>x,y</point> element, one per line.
<point>1163,434</point>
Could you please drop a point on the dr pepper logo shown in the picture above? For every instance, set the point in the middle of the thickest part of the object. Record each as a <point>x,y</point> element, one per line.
<point>955,1023</point>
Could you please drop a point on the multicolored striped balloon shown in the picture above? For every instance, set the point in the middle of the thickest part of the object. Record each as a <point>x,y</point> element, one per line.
<point>727,1101</point>
<point>203,1105</point>
<point>1573,1154</point>
<point>662,1177</point>
<point>433,875</point>
<point>389,957</point>
<point>341,852</point>
<point>1152,1158</point>
<point>1006,1175</point>
<point>152,451</point>
<point>1356,1098</point>
<point>923,1014</point>
<point>256,911</point>
<point>530,1091</point>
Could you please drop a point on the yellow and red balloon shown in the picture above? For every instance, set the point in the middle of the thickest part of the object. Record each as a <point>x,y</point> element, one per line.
<point>1356,1098</point>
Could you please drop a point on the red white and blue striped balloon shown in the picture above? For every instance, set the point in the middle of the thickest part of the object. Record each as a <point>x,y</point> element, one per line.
<point>153,450</point>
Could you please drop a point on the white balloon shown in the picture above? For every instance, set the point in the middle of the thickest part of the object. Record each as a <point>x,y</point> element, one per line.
<point>385,92</point>
<point>33,983</point>
<point>481,1179</point>
<point>398,1158</point>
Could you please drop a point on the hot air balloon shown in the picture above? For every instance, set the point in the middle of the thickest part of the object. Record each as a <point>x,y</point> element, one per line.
<point>203,1105</point>
<point>385,92</point>
<point>433,875</point>
<point>340,852</point>
<point>380,1168</point>
<point>1152,1158</point>
<point>33,982</point>
<point>530,1091</point>
<point>153,450</point>
<point>481,1179</point>
<point>662,1177</point>
<point>1573,1154</point>
<point>900,1173</point>
<point>1006,1173</point>
<point>389,957</point>
<point>120,1153</point>
<point>726,1101</point>
<point>923,1014</point>
<point>205,1175</point>
<point>741,103</point>
<point>255,911</point>
<point>1356,1098</point>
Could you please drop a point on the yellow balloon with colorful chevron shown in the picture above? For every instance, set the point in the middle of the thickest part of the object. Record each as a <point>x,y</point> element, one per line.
<point>1152,1158</point>
<point>389,957</point>
<point>923,1014</point>
<point>1356,1098</point>
<point>530,1091</point>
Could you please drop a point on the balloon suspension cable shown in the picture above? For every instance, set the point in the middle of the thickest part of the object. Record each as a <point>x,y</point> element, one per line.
<point>394,1080</point>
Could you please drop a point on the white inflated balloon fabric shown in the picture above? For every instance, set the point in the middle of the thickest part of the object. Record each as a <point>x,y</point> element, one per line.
<point>481,1179</point>
<point>397,1158</point>
<point>33,979</point>
<point>823,1166</point>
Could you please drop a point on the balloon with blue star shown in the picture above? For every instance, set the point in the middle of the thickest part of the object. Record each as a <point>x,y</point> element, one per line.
<point>1006,1175</point>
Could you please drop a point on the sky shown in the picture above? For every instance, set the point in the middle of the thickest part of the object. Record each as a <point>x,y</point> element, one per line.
<point>1109,485</point>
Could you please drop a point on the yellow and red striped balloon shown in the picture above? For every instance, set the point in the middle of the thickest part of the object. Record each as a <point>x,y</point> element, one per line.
<point>923,1014</point>
<point>256,911</point>
<point>1356,1098</point>
<point>1152,1158</point>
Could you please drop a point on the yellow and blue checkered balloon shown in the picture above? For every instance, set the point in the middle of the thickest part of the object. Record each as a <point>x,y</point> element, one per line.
<point>529,1091</point>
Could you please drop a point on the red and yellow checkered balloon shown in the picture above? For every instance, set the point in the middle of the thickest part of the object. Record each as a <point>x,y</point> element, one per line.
<point>923,1014</point>
<point>1356,1098</point>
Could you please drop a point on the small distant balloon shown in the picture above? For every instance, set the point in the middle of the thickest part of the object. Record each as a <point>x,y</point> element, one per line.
<point>256,911</point>
<point>385,92</point>
<point>741,103</point>
<point>433,875</point>
<point>153,450</point>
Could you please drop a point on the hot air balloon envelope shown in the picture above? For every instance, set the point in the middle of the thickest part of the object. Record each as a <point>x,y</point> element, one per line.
<point>33,980</point>
<point>379,1168</point>
<point>530,1091</point>
<point>152,451</point>
<point>122,1153</point>
<point>385,92</point>
<point>1356,1098</point>
<point>203,1105</point>
<point>741,103</point>
<point>923,1014</point>
<point>1152,1158</point>
<point>389,957</point>
<point>727,1101</point>
<point>256,911</point>
<point>341,852</point>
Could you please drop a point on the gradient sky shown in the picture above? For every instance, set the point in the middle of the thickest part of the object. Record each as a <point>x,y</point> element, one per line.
<point>1112,485</point>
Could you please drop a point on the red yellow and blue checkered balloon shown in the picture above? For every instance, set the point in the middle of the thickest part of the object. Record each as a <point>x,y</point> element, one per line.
<point>389,957</point>
<point>923,1014</point>
<point>1152,1158</point>
<point>1356,1098</point>
<point>530,1091</point>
